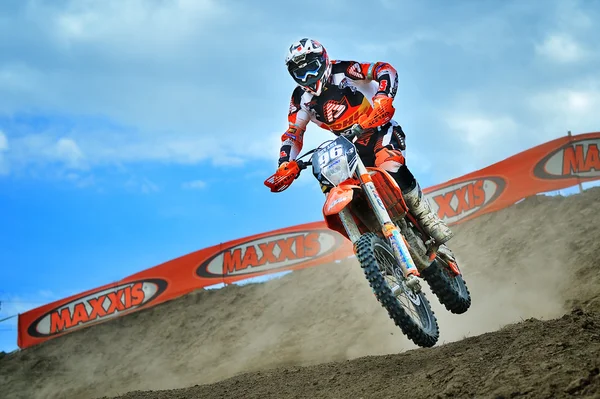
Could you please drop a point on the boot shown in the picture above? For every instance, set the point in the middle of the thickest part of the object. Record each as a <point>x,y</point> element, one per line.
<point>429,220</point>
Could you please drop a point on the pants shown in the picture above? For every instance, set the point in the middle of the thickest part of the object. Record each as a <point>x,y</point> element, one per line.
<point>382,148</point>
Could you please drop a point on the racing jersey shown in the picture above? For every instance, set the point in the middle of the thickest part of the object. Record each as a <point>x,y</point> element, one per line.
<point>347,95</point>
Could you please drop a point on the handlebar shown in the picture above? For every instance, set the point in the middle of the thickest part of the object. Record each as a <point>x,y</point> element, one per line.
<point>355,131</point>
<point>303,165</point>
<point>282,179</point>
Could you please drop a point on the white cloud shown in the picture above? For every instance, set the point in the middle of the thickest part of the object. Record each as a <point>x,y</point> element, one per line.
<point>484,139</point>
<point>169,75</point>
<point>88,150</point>
<point>79,180</point>
<point>47,294</point>
<point>194,184</point>
<point>69,152</point>
<point>42,149</point>
<point>142,185</point>
<point>478,131</point>
<point>561,48</point>
<point>162,25</point>
<point>489,131</point>
<point>166,70</point>
<point>3,142</point>
<point>3,149</point>
<point>574,108</point>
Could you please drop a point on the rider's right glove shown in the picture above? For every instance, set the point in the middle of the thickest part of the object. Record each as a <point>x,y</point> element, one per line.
<point>382,113</point>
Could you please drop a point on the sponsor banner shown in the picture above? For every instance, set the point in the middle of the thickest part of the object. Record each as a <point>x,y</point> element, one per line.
<point>468,197</point>
<point>579,158</point>
<point>285,249</point>
<point>97,306</point>
<point>88,308</point>
<point>555,165</point>
<point>273,253</point>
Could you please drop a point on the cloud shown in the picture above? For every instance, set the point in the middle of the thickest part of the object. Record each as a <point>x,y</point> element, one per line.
<point>192,82</point>
<point>572,108</point>
<point>3,149</point>
<point>482,139</point>
<point>67,151</point>
<point>194,184</point>
<point>561,48</point>
<point>142,185</point>
<point>80,180</point>
<point>169,71</point>
<point>13,304</point>
<point>162,25</point>
<point>3,142</point>
<point>43,149</point>
<point>479,130</point>
<point>46,294</point>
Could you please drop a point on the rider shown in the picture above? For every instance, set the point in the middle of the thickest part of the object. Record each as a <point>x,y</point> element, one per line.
<point>337,94</point>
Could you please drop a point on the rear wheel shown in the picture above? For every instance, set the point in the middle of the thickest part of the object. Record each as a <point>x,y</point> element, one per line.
<point>450,289</point>
<point>410,311</point>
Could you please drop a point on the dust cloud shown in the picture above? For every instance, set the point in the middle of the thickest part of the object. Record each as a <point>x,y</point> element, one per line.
<point>535,259</point>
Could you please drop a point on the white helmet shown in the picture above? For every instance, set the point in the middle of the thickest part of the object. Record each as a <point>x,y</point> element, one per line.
<point>309,65</point>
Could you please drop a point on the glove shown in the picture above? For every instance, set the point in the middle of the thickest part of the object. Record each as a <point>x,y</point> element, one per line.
<point>382,113</point>
<point>289,167</point>
<point>285,175</point>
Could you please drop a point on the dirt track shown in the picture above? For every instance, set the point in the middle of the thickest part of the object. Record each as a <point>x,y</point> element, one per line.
<point>539,259</point>
<point>531,359</point>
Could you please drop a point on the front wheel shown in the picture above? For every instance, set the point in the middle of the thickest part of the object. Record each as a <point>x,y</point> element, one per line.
<point>410,311</point>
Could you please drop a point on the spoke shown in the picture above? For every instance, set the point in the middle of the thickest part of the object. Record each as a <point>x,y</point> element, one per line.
<point>386,263</point>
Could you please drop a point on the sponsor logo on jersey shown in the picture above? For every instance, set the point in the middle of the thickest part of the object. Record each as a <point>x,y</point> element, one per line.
<point>355,71</point>
<point>334,109</point>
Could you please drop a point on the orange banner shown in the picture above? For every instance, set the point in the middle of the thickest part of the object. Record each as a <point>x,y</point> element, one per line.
<point>275,251</point>
<point>554,165</point>
<point>557,164</point>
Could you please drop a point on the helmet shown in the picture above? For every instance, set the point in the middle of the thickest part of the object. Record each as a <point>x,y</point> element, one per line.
<point>309,65</point>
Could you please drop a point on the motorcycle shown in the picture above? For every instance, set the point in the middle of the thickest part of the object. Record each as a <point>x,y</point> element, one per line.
<point>366,206</point>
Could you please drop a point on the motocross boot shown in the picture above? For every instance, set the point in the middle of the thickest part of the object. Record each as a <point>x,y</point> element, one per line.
<point>428,219</point>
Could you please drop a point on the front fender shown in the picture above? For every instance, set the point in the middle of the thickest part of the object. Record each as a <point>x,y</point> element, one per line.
<point>337,199</point>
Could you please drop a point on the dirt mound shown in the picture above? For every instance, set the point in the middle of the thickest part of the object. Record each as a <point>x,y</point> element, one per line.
<point>541,359</point>
<point>538,259</point>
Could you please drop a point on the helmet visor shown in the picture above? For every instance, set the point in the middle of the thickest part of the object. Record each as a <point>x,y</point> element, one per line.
<point>308,71</point>
<point>308,75</point>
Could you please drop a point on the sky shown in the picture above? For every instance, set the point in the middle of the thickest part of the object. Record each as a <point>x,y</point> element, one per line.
<point>133,132</point>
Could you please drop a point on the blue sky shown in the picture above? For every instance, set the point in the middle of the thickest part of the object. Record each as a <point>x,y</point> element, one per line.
<point>133,132</point>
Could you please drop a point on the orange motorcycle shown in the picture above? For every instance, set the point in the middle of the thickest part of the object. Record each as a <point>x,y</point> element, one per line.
<point>366,206</point>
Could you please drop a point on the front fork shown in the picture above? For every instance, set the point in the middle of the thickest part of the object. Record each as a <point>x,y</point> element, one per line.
<point>389,229</point>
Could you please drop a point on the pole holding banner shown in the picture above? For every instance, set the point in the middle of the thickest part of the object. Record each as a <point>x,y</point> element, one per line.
<point>578,179</point>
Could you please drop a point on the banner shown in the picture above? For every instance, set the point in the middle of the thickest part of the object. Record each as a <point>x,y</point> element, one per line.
<point>555,165</point>
<point>291,248</point>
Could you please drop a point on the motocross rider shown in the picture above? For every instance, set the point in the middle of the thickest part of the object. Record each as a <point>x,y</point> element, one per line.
<point>335,95</point>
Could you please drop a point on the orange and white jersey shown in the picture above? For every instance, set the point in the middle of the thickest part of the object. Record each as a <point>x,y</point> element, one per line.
<point>346,97</point>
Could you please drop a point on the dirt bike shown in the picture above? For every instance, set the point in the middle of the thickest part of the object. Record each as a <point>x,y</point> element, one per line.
<point>365,205</point>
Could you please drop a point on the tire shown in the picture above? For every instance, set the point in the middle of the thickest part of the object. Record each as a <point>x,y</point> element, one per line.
<point>450,289</point>
<point>423,330</point>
